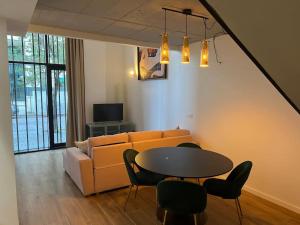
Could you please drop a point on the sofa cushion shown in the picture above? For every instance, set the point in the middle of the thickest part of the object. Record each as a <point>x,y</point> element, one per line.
<point>175,133</point>
<point>144,135</point>
<point>104,156</point>
<point>161,142</point>
<point>108,140</point>
<point>83,146</point>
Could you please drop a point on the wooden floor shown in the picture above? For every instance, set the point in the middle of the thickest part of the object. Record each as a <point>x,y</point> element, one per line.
<point>47,196</point>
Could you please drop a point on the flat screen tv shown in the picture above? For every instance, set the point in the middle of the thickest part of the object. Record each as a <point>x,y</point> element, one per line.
<point>108,112</point>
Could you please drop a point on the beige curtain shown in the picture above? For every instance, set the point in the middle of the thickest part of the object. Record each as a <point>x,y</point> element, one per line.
<point>76,91</point>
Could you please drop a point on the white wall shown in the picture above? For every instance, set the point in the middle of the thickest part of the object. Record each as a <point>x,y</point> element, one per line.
<point>230,108</point>
<point>104,73</point>
<point>95,75</point>
<point>276,45</point>
<point>8,199</point>
<point>145,99</point>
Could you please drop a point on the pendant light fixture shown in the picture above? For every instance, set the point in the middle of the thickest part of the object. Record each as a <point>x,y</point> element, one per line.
<point>204,49</point>
<point>185,55</point>
<point>164,48</point>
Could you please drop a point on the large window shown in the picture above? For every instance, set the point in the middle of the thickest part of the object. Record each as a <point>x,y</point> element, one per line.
<point>38,91</point>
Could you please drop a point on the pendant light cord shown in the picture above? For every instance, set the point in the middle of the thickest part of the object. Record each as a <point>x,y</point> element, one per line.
<point>165,21</point>
<point>186,16</point>
<point>205,27</point>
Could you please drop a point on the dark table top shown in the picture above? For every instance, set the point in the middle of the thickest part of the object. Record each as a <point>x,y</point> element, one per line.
<point>184,162</point>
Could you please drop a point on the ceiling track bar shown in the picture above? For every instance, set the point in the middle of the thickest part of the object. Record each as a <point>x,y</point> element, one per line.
<point>185,12</point>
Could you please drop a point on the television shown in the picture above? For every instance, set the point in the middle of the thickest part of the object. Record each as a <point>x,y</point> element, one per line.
<point>108,112</point>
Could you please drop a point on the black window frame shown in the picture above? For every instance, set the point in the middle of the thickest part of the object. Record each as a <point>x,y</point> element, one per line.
<point>49,66</point>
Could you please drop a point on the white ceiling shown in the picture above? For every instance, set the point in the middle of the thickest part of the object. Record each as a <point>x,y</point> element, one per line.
<point>17,14</point>
<point>139,20</point>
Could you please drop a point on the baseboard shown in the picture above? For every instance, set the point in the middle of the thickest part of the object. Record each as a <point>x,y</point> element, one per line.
<point>269,198</point>
<point>272,199</point>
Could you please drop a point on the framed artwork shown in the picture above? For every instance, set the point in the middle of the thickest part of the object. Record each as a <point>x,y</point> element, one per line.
<point>149,67</point>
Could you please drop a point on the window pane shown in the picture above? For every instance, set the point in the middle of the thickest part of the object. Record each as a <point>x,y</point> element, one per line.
<point>29,90</point>
<point>17,48</point>
<point>9,46</point>
<point>28,48</point>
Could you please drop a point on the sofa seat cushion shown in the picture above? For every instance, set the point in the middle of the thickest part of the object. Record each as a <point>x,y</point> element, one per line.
<point>108,140</point>
<point>175,133</point>
<point>144,135</point>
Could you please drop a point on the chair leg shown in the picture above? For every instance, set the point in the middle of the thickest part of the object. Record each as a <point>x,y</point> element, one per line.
<point>136,191</point>
<point>239,204</point>
<point>195,219</point>
<point>165,217</point>
<point>156,200</point>
<point>238,211</point>
<point>128,197</point>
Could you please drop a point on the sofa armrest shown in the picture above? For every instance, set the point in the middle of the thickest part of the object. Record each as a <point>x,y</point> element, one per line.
<point>80,168</point>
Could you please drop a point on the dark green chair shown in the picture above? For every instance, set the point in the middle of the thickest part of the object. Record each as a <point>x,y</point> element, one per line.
<point>141,177</point>
<point>181,197</point>
<point>231,188</point>
<point>189,145</point>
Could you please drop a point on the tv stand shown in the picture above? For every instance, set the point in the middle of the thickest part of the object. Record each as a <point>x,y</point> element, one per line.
<point>107,128</point>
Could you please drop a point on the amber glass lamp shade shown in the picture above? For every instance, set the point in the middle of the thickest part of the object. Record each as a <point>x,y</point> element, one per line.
<point>204,54</point>
<point>185,55</point>
<point>164,49</point>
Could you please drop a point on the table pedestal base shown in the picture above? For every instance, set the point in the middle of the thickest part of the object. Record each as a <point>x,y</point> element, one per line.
<point>177,219</point>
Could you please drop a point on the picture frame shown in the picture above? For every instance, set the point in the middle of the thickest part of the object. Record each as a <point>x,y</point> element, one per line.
<point>149,67</point>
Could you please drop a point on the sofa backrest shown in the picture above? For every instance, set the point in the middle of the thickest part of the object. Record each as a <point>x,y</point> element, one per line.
<point>108,150</point>
<point>160,142</point>
<point>109,155</point>
<point>175,133</point>
<point>144,135</point>
<point>108,140</point>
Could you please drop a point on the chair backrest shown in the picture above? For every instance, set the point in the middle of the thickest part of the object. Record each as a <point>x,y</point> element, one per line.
<point>181,196</point>
<point>189,145</point>
<point>239,175</point>
<point>129,160</point>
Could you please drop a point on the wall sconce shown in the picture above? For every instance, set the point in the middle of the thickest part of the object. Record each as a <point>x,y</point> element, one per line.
<point>131,73</point>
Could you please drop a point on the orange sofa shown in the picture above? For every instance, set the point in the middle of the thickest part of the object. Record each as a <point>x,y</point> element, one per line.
<point>102,168</point>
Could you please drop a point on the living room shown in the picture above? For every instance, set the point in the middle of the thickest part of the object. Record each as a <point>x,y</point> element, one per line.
<point>230,107</point>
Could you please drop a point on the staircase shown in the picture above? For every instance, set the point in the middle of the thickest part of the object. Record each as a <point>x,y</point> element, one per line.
<point>268,32</point>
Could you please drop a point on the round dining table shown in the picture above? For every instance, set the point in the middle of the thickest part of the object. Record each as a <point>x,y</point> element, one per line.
<point>183,162</point>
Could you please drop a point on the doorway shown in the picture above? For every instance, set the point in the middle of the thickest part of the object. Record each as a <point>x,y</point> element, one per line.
<point>38,90</point>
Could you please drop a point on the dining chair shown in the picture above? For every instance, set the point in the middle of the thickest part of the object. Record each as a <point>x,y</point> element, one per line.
<point>181,197</point>
<point>138,177</point>
<point>231,188</point>
<point>189,145</point>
